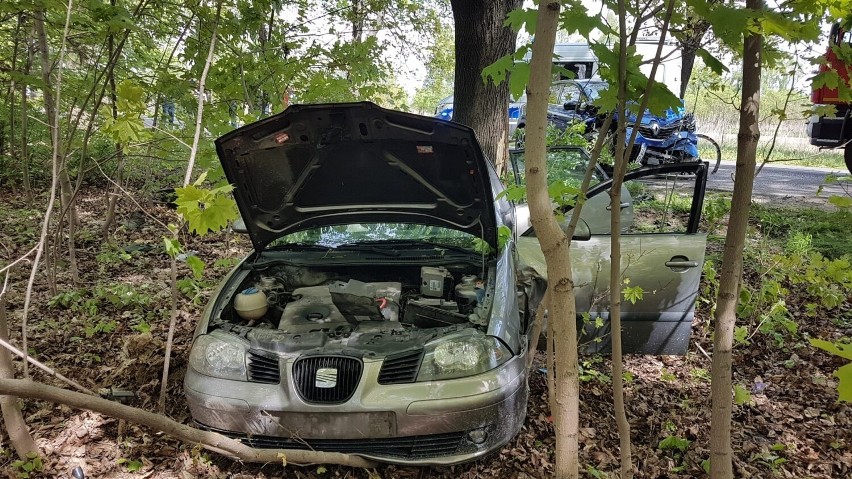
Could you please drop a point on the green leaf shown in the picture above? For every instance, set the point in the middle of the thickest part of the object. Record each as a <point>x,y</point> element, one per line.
<point>173,246</point>
<point>522,17</point>
<point>674,443</point>
<point>633,294</point>
<point>844,202</point>
<point>518,79</point>
<point>196,265</point>
<point>712,62</point>
<point>741,395</point>
<point>844,385</point>
<point>514,193</point>
<point>741,335</point>
<point>498,70</point>
<point>844,350</point>
<point>705,464</point>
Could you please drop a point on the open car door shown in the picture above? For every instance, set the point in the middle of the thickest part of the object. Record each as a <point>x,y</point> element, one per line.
<point>662,260</point>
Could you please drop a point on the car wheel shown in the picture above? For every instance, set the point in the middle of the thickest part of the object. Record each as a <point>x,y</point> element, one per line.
<point>847,155</point>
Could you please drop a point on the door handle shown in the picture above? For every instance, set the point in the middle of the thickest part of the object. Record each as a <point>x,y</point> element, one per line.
<point>622,205</point>
<point>682,264</point>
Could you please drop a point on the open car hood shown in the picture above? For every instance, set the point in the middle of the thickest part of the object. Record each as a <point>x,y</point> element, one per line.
<point>333,164</point>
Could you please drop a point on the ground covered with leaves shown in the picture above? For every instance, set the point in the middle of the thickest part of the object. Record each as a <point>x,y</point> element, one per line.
<point>109,330</point>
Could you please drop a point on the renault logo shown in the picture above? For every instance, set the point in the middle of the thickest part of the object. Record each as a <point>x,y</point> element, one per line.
<point>655,128</point>
<point>326,378</point>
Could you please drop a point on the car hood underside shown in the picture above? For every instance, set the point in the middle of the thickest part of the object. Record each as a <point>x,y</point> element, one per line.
<point>321,165</point>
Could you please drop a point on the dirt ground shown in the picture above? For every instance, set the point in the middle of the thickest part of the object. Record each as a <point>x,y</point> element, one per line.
<point>793,426</point>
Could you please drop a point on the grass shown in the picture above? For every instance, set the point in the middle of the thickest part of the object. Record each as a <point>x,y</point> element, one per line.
<point>828,230</point>
<point>788,150</point>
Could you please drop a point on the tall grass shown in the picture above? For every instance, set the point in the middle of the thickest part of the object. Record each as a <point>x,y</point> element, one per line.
<point>784,137</point>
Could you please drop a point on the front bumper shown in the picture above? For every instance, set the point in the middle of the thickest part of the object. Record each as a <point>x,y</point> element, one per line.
<point>829,132</point>
<point>419,423</point>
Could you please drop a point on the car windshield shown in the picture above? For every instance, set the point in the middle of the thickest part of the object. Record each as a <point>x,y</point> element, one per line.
<point>373,233</point>
<point>593,89</point>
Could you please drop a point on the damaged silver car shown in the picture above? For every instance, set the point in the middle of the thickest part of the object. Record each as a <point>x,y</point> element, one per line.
<point>378,314</point>
<point>384,311</point>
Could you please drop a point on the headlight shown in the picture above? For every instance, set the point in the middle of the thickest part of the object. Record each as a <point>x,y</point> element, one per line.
<point>219,356</point>
<point>466,354</point>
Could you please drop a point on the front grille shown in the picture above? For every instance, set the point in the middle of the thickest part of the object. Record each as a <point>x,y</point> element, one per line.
<point>263,369</point>
<point>665,131</point>
<point>400,368</point>
<point>411,447</point>
<point>340,378</point>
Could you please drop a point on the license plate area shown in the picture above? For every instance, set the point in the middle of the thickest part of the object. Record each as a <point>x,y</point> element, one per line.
<point>336,425</point>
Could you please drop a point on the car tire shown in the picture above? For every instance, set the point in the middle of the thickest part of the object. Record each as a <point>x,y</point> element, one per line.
<point>847,155</point>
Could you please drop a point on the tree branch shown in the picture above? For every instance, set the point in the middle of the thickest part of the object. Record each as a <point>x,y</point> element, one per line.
<point>209,440</point>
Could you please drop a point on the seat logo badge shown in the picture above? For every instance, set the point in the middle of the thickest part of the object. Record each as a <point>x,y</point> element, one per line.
<point>326,378</point>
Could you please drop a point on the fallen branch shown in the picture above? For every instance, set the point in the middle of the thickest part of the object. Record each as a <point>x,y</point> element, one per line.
<point>209,440</point>
<point>44,368</point>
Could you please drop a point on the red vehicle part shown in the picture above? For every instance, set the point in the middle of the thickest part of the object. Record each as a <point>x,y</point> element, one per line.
<point>833,131</point>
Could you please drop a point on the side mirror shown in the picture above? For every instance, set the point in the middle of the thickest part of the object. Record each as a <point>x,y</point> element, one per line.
<point>239,226</point>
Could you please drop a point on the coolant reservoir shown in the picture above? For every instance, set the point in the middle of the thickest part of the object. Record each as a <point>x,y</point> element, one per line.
<point>250,304</point>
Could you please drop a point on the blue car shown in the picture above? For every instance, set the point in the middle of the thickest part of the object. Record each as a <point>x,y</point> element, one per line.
<point>660,140</point>
<point>517,110</point>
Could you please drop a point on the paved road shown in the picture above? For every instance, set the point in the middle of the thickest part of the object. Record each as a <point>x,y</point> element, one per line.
<point>780,182</point>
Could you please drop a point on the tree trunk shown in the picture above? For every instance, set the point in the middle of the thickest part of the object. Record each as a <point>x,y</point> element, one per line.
<point>19,434</point>
<point>689,47</point>
<point>60,164</point>
<point>10,105</point>
<point>114,194</point>
<point>554,244</point>
<point>619,169</point>
<point>481,39</point>
<point>198,122</point>
<point>25,145</point>
<point>721,459</point>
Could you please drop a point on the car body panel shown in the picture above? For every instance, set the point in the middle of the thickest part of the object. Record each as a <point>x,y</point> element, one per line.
<point>667,266</point>
<point>287,171</point>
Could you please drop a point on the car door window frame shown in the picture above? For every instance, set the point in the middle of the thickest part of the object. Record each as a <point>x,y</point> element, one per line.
<point>699,169</point>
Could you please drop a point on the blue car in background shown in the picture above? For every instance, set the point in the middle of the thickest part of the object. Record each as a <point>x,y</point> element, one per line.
<point>661,139</point>
<point>517,110</point>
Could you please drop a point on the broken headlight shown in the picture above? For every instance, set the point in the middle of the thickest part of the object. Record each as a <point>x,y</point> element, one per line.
<point>219,356</point>
<point>466,354</point>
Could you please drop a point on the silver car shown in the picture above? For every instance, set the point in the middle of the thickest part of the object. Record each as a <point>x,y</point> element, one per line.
<point>381,312</point>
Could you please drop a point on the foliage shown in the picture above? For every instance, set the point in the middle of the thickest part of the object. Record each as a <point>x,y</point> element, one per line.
<point>676,446</point>
<point>440,70</point>
<point>28,466</point>
<point>206,209</point>
<point>741,395</point>
<point>828,230</point>
<point>843,349</point>
<point>131,465</point>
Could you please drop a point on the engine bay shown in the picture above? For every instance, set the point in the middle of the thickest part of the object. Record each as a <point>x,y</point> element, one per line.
<point>379,309</point>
